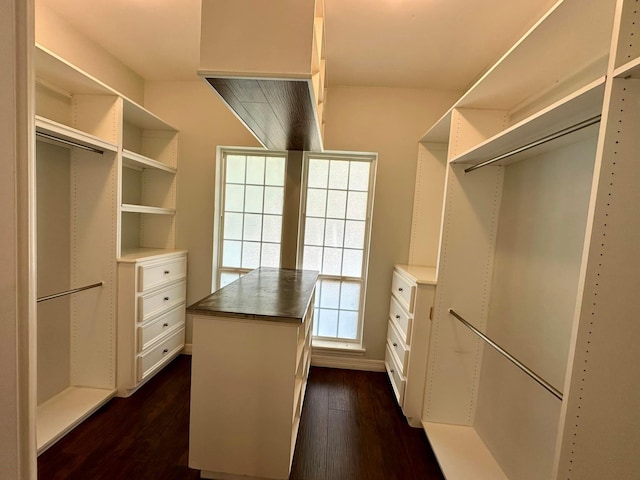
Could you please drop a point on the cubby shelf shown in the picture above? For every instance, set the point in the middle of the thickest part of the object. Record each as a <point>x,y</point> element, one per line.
<point>128,208</point>
<point>140,162</point>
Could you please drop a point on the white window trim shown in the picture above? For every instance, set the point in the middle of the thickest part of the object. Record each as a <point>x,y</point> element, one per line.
<point>329,343</point>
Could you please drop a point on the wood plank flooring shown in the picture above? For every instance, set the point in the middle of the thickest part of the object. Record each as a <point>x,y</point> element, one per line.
<point>351,429</point>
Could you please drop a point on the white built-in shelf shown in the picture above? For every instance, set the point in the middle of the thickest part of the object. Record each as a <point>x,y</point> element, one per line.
<point>72,135</point>
<point>66,77</point>
<point>141,117</point>
<point>440,131</point>
<point>140,162</point>
<point>559,59</point>
<point>61,413</point>
<point>132,255</point>
<point>628,70</point>
<point>585,103</point>
<point>461,453</point>
<point>129,208</point>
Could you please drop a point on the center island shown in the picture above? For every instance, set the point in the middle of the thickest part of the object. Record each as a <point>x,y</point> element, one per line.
<point>251,353</point>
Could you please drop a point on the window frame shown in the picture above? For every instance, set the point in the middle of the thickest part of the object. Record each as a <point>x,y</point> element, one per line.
<point>219,207</point>
<point>372,159</point>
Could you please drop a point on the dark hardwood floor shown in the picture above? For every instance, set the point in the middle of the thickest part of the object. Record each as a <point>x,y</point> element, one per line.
<point>351,429</point>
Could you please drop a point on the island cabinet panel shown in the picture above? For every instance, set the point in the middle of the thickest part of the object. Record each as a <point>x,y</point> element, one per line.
<point>251,358</point>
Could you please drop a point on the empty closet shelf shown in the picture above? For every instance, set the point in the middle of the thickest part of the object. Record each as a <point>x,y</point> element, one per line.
<point>130,208</point>
<point>69,292</point>
<point>550,388</point>
<point>536,143</point>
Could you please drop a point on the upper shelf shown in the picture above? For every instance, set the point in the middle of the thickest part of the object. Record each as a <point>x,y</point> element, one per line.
<point>566,50</point>
<point>71,136</point>
<point>583,104</point>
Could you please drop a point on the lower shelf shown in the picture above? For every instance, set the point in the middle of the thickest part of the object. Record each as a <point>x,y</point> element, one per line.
<point>461,453</point>
<point>60,414</point>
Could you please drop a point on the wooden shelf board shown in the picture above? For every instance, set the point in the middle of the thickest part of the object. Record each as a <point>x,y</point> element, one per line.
<point>129,208</point>
<point>590,40</point>
<point>60,414</point>
<point>50,127</point>
<point>420,274</point>
<point>461,453</point>
<point>628,70</point>
<point>138,115</point>
<point>131,255</point>
<point>65,76</point>
<point>138,161</point>
<point>439,132</point>
<point>578,106</point>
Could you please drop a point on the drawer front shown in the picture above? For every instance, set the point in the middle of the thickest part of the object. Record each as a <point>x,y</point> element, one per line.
<point>161,300</point>
<point>151,275</point>
<point>402,319</point>
<point>398,346</point>
<point>404,290</point>
<point>397,380</point>
<point>150,361</point>
<point>152,331</point>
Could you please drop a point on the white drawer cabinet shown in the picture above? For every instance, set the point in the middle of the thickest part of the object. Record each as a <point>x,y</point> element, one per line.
<point>151,315</point>
<point>408,331</point>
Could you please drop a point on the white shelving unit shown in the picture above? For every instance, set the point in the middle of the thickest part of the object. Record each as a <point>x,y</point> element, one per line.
<point>103,165</point>
<point>538,250</point>
<point>76,170</point>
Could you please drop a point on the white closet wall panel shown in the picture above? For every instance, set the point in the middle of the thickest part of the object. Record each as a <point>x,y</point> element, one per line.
<point>466,260</point>
<point>93,247</point>
<point>427,204</point>
<point>54,268</point>
<point>533,297</point>
<point>602,418</point>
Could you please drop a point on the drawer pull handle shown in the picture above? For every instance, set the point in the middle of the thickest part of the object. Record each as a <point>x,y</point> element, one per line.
<point>399,289</point>
<point>398,316</point>
<point>395,344</point>
<point>167,272</point>
<point>392,371</point>
<point>165,325</point>
<point>166,299</point>
<point>166,350</point>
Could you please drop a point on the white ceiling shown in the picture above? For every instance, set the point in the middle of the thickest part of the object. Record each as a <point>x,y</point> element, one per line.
<point>397,43</point>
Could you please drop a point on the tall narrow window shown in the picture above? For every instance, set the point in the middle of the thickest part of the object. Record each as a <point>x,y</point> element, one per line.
<point>335,228</point>
<point>251,207</point>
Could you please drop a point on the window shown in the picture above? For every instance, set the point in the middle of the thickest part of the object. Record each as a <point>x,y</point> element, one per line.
<point>251,207</point>
<point>328,230</point>
<point>335,228</point>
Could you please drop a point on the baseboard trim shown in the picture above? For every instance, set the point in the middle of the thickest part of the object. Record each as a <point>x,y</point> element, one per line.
<point>347,362</point>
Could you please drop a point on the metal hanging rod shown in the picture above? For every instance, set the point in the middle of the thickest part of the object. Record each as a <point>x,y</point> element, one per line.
<point>69,292</point>
<point>556,393</point>
<point>69,142</point>
<point>561,133</point>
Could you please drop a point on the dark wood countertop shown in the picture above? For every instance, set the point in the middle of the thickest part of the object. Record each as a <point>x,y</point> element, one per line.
<point>265,294</point>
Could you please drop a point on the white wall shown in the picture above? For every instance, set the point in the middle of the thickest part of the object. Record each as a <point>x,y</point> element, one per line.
<point>204,123</point>
<point>388,121</point>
